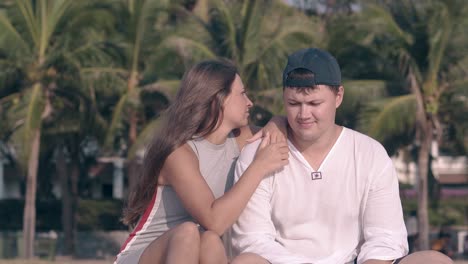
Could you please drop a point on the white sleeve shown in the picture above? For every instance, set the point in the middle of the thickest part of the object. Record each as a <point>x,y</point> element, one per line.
<point>254,231</point>
<point>384,230</point>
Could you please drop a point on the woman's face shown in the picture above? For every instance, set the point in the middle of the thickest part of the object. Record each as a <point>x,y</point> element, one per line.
<point>237,105</point>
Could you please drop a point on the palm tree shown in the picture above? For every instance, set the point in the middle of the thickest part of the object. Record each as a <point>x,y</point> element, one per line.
<point>256,35</point>
<point>75,121</point>
<point>138,27</point>
<point>39,39</point>
<point>426,43</point>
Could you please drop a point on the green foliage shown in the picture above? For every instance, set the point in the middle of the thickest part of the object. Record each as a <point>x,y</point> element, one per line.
<point>453,113</point>
<point>138,28</point>
<point>390,120</point>
<point>92,215</point>
<point>100,215</point>
<point>144,137</point>
<point>451,211</point>
<point>358,93</point>
<point>256,35</point>
<point>43,47</point>
<point>400,41</point>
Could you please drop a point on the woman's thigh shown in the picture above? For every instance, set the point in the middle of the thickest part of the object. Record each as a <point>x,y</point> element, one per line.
<point>249,258</point>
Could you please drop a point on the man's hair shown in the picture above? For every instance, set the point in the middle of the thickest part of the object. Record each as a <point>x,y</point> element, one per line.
<point>300,74</point>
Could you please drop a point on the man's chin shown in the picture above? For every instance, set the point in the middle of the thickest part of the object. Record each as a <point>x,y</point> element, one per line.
<point>306,136</point>
<point>303,133</point>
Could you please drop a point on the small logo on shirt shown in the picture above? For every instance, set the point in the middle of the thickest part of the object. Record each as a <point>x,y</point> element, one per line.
<point>316,175</point>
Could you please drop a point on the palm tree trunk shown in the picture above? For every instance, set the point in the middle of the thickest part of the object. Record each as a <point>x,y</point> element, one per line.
<point>66,202</point>
<point>423,168</point>
<point>133,120</point>
<point>75,174</point>
<point>131,169</point>
<point>132,172</point>
<point>133,127</point>
<point>29,216</point>
<point>424,137</point>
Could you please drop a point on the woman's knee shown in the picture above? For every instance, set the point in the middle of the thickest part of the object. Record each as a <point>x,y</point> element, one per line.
<point>212,245</point>
<point>186,232</point>
<point>212,248</point>
<point>211,239</point>
<point>426,257</point>
<point>183,239</point>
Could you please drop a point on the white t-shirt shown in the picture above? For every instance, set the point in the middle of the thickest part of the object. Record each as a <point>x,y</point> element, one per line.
<point>349,207</point>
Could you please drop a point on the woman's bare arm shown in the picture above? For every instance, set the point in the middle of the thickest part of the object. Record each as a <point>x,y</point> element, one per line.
<point>182,171</point>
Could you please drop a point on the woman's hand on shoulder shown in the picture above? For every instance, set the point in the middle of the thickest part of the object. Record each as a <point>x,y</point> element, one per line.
<point>276,128</point>
<point>271,156</point>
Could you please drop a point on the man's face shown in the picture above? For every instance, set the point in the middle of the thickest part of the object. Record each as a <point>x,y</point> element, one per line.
<point>311,112</point>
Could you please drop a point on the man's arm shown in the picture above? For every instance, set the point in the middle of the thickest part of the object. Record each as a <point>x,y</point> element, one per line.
<point>254,231</point>
<point>383,225</point>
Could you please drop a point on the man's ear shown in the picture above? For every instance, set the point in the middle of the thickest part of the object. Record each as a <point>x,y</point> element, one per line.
<point>339,96</point>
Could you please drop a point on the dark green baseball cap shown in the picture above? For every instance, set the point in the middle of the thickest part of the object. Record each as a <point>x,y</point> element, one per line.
<point>321,63</point>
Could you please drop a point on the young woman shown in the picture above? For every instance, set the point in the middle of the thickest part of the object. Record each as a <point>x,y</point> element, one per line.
<point>184,201</point>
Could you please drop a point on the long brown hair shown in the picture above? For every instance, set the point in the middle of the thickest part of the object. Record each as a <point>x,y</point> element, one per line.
<point>195,112</point>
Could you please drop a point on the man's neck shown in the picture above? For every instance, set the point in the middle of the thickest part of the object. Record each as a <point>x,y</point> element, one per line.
<point>316,151</point>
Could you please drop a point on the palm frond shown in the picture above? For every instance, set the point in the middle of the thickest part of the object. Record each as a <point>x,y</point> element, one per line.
<point>117,116</point>
<point>143,138</point>
<point>51,15</point>
<point>460,87</point>
<point>390,117</point>
<point>188,48</point>
<point>101,70</point>
<point>440,29</point>
<point>32,122</point>
<point>167,87</point>
<point>30,20</point>
<point>271,99</point>
<point>251,29</point>
<point>377,19</point>
<point>8,29</point>
<point>365,90</point>
<point>223,19</point>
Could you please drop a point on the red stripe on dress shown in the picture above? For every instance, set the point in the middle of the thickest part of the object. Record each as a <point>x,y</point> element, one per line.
<point>142,221</point>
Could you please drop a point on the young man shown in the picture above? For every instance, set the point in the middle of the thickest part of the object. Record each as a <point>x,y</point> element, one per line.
<point>337,201</point>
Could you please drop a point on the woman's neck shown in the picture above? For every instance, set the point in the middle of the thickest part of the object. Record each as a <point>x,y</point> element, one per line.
<point>218,136</point>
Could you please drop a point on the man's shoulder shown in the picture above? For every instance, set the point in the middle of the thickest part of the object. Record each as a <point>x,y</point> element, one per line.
<point>366,149</point>
<point>363,140</point>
